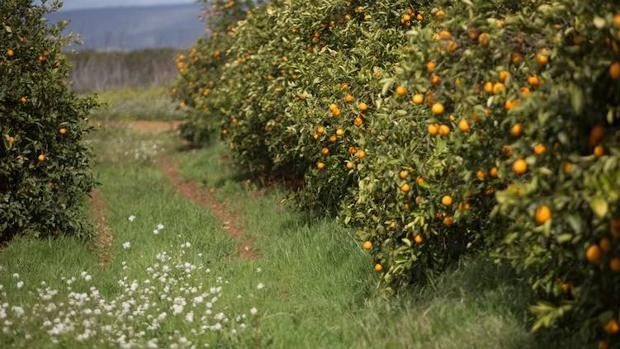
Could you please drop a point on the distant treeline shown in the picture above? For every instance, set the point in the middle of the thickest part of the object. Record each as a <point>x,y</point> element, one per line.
<point>97,71</point>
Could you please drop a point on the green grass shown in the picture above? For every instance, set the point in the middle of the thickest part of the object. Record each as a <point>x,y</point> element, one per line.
<point>320,290</point>
<point>124,104</point>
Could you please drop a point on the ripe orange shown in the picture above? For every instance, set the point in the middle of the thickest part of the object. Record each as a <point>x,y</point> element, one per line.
<point>617,20</point>
<point>430,66</point>
<point>348,98</point>
<point>405,188</point>
<point>511,104</point>
<point>594,254</point>
<point>401,91</point>
<point>567,167</point>
<point>333,138</point>
<point>339,132</point>
<point>519,167</point>
<point>350,165</point>
<point>612,327</point>
<point>325,151</point>
<point>503,75</point>
<point>614,264</point>
<point>360,154</point>
<point>420,180</point>
<point>437,109</point>
<point>488,87</point>
<point>525,91</point>
<point>542,58</point>
<point>435,79</point>
<point>599,151</point>
<point>464,126</point>
<point>24,99</point>
<point>516,130</point>
<point>42,157</point>
<point>444,130</point>
<point>494,172</point>
<point>448,221</point>
<point>405,18</point>
<point>378,268</point>
<point>62,131</point>
<point>418,239</point>
<point>10,53</point>
<point>362,107</point>
<point>335,111</point>
<point>320,130</point>
<point>433,129</point>
<point>534,81</point>
<point>418,99</point>
<point>481,175</point>
<point>499,88</point>
<point>358,121</point>
<point>540,149</point>
<point>403,174</point>
<point>542,214</point>
<point>614,70</point>
<point>367,245</point>
<point>440,13</point>
<point>516,58</point>
<point>484,39</point>
<point>446,200</point>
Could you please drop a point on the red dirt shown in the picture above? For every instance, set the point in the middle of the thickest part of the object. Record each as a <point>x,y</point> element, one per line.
<point>104,238</point>
<point>204,197</point>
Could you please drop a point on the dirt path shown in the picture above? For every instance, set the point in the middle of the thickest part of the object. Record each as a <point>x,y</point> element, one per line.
<point>103,242</point>
<point>205,198</point>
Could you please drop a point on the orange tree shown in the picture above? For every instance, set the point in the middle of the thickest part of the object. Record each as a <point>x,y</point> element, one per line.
<point>44,167</point>
<point>200,68</point>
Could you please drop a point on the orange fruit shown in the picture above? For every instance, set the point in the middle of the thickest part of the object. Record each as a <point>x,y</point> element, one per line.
<point>484,39</point>
<point>540,149</point>
<point>23,99</point>
<point>605,244</point>
<point>325,151</point>
<point>401,91</point>
<point>614,264</point>
<point>405,188</point>
<point>405,18</point>
<point>612,327</point>
<point>403,174</point>
<point>503,75</point>
<point>378,268</point>
<point>339,132</point>
<point>440,13</point>
<point>617,20</point>
<point>599,151</point>
<point>446,200</point>
<point>567,167</point>
<point>358,121</point>
<point>516,130</point>
<point>433,129</point>
<point>516,58</point>
<point>437,109</point>
<point>367,245</point>
<point>418,239</point>
<point>499,88</point>
<point>420,180</point>
<point>360,154</point>
<point>602,344</point>
<point>348,98</point>
<point>320,165</point>
<point>594,254</point>
<point>10,53</point>
<point>435,79</point>
<point>448,221</point>
<point>444,130</point>
<point>430,66</point>
<point>614,70</point>
<point>488,87</point>
<point>519,166</point>
<point>525,91</point>
<point>362,107</point>
<point>511,104</point>
<point>333,138</point>
<point>62,131</point>
<point>542,58</point>
<point>464,126</point>
<point>418,99</point>
<point>565,287</point>
<point>335,111</point>
<point>350,165</point>
<point>542,214</point>
<point>481,175</point>
<point>320,130</point>
<point>534,81</point>
<point>494,172</point>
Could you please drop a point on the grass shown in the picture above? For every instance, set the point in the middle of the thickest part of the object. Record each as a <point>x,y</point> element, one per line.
<point>319,285</point>
<point>124,104</point>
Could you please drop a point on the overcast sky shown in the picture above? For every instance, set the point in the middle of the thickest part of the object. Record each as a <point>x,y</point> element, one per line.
<point>79,4</point>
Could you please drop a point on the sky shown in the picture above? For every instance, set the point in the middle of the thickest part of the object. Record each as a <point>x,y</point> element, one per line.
<point>82,4</point>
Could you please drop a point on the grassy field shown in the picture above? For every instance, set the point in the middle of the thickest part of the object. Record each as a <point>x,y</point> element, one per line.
<point>176,280</point>
<point>136,104</point>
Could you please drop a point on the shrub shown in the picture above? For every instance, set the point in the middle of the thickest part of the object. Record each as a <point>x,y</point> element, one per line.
<point>44,167</point>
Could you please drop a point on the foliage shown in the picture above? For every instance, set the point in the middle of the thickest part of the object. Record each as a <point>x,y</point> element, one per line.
<point>44,167</point>
<point>484,125</point>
